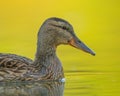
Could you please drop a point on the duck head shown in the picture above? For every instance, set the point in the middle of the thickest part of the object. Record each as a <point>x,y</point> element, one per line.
<point>56,31</point>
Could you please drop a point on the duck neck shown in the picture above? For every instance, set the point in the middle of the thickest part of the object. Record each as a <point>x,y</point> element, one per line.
<point>46,61</point>
<point>45,53</point>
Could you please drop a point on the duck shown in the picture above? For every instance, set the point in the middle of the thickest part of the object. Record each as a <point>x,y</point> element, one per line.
<point>46,65</point>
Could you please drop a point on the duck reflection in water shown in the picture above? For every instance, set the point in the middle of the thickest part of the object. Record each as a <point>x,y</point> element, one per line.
<point>32,89</point>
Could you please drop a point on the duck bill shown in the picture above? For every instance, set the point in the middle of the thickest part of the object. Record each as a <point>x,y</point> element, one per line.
<point>80,45</point>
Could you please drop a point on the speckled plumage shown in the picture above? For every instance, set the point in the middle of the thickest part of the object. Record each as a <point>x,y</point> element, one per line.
<point>46,65</point>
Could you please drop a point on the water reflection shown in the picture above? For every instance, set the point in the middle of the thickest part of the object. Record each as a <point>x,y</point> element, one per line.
<point>81,83</point>
<point>32,89</point>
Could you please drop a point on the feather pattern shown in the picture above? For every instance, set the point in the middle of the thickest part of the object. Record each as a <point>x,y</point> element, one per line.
<point>46,65</point>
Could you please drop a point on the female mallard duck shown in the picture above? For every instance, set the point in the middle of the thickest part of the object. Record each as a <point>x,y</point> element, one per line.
<point>46,66</point>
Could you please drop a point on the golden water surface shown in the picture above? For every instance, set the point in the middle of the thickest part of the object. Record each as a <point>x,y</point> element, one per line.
<point>96,22</point>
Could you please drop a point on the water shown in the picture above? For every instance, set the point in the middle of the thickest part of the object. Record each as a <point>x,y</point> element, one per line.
<point>78,83</point>
<point>92,84</point>
<point>32,89</point>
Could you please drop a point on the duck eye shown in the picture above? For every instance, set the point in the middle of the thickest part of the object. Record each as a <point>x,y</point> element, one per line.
<point>65,28</point>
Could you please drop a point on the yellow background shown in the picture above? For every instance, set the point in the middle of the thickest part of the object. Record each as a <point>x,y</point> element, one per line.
<point>96,22</point>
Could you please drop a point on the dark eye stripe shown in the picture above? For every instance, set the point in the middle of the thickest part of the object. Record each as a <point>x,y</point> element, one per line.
<point>63,27</point>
